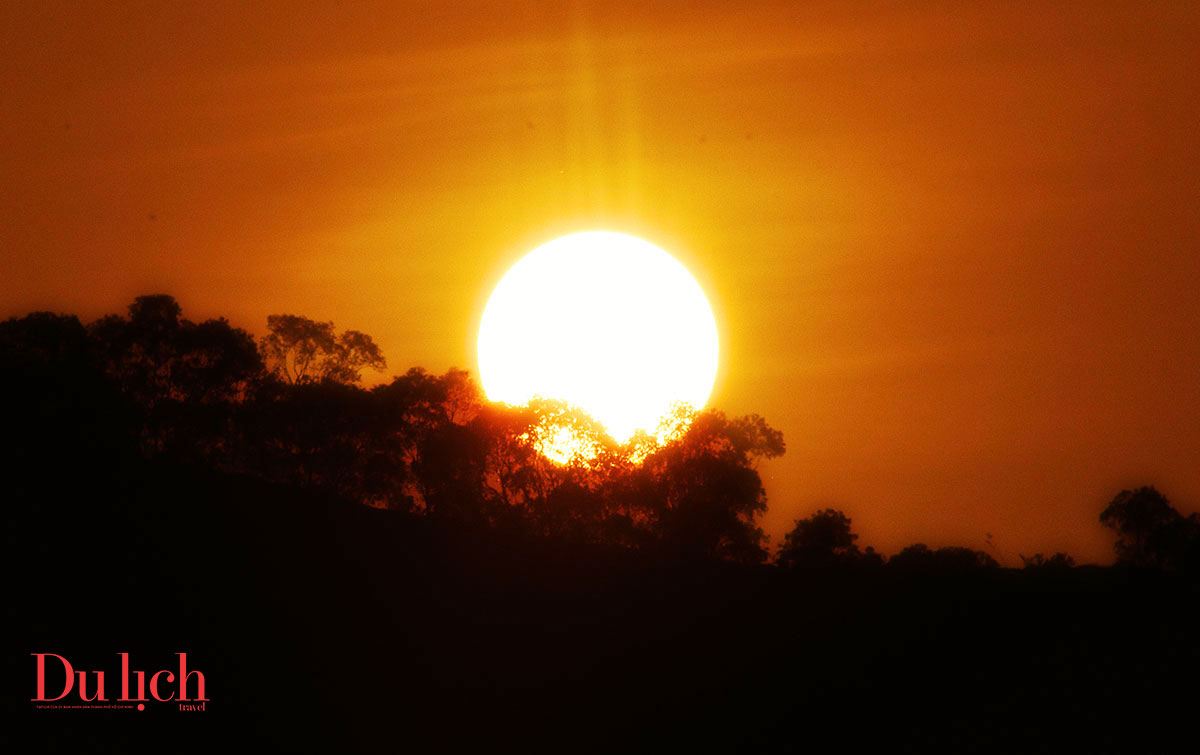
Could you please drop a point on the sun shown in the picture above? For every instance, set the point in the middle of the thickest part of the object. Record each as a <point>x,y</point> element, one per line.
<point>606,322</point>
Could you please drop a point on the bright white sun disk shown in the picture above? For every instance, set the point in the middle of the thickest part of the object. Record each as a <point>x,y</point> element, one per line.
<point>607,322</point>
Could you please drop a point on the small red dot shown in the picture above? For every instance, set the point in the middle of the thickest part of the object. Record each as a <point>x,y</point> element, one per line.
<point>141,706</point>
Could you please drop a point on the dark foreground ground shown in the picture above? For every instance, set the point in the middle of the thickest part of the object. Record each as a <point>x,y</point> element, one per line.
<point>332,628</point>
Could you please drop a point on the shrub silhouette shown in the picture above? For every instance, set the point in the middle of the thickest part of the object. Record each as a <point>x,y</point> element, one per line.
<point>1150,532</point>
<point>919,557</point>
<point>1058,562</point>
<point>824,540</point>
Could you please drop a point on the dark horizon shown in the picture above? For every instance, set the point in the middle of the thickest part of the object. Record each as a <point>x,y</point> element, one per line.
<point>306,366</point>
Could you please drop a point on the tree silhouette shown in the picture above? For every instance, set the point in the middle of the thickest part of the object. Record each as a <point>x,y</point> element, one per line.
<point>823,540</point>
<point>1150,532</point>
<point>300,350</point>
<point>1058,562</point>
<point>428,444</point>
<point>45,337</point>
<point>185,378</point>
<point>158,357</point>
<point>702,490</point>
<point>420,430</point>
<point>568,466</point>
<point>512,475</point>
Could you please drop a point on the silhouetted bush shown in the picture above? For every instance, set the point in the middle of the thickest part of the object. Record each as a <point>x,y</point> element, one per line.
<point>824,541</point>
<point>919,557</point>
<point>1058,562</point>
<point>1151,533</point>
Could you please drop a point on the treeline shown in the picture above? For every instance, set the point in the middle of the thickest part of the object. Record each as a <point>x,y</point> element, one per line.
<point>1150,534</point>
<point>291,410</point>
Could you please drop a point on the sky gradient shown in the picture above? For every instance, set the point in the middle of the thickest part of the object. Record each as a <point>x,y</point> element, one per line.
<point>953,252</point>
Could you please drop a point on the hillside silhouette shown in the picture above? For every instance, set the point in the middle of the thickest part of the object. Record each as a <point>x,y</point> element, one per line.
<point>397,568</point>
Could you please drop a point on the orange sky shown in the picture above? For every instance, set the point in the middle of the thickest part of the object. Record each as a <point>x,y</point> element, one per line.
<point>954,252</point>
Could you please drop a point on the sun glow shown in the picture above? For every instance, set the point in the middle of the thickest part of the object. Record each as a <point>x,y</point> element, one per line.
<point>606,322</point>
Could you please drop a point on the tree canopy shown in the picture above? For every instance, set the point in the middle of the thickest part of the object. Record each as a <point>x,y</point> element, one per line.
<point>1150,532</point>
<point>300,350</point>
<point>823,540</point>
<point>159,357</point>
<point>290,409</point>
